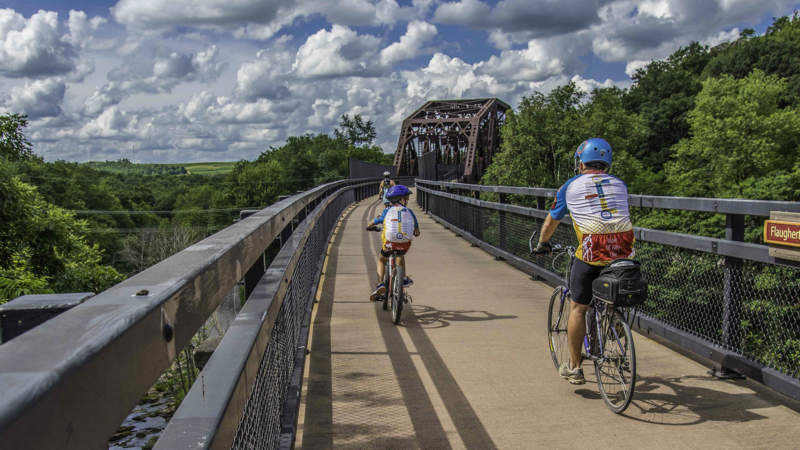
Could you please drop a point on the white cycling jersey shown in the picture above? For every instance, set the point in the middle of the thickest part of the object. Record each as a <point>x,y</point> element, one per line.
<point>398,224</point>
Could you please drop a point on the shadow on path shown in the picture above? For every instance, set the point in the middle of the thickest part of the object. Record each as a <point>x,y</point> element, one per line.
<point>427,426</point>
<point>318,419</point>
<point>430,317</point>
<point>692,404</point>
<point>679,401</point>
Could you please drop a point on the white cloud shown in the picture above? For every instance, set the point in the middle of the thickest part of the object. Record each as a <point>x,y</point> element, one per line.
<point>632,66</point>
<point>536,17</point>
<point>358,12</point>
<point>410,43</point>
<point>113,122</point>
<point>198,105</point>
<point>541,60</point>
<point>81,29</point>
<point>168,13</point>
<point>33,48</point>
<point>339,52</point>
<point>462,12</point>
<point>162,75</point>
<point>183,99</point>
<point>268,75</point>
<point>659,9</point>
<point>632,30</point>
<point>38,99</point>
<point>203,65</point>
<point>500,39</point>
<point>260,19</point>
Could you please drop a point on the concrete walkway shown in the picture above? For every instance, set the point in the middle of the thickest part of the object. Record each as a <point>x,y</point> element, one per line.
<point>469,366</point>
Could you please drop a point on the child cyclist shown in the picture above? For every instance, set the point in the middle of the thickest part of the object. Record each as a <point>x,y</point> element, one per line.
<point>400,226</point>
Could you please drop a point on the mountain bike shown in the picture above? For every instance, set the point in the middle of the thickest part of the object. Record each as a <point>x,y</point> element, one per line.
<point>393,277</point>
<point>608,342</point>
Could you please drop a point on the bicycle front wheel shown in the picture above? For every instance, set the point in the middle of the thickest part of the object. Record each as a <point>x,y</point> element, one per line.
<point>397,294</point>
<point>616,368</point>
<point>557,320</point>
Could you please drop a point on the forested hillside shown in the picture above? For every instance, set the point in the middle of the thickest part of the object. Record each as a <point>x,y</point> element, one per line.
<point>70,227</point>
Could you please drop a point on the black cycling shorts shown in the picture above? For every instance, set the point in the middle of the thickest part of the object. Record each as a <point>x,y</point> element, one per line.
<point>580,281</point>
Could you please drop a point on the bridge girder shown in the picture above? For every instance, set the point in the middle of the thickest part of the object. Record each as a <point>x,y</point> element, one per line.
<point>465,131</point>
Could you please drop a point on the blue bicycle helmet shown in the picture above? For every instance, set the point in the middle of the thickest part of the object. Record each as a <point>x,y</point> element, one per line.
<point>397,191</point>
<point>594,150</point>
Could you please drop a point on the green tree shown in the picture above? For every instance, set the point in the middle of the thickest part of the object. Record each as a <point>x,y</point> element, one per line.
<point>42,247</point>
<point>13,144</point>
<point>663,93</point>
<point>537,140</point>
<point>777,52</point>
<point>741,139</point>
<point>605,116</point>
<point>355,131</point>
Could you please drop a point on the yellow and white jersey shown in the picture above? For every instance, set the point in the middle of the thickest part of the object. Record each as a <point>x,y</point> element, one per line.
<point>598,205</point>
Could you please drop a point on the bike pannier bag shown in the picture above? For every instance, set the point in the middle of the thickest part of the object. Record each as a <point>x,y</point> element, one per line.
<point>621,283</point>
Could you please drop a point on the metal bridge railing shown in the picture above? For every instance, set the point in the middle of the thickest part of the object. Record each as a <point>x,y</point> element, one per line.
<point>726,300</point>
<point>70,382</point>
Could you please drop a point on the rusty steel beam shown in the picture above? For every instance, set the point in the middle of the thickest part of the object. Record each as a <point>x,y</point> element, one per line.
<point>459,131</point>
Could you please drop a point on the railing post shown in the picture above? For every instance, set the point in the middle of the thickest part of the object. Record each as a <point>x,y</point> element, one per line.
<point>502,227</point>
<point>732,294</point>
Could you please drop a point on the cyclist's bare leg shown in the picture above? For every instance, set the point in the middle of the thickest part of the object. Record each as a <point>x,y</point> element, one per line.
<point>381,262</point>
<point>576,330</point>
<point>401,260</point>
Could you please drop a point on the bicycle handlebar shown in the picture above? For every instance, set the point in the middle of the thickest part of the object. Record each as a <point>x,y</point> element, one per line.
<point>553,248</point>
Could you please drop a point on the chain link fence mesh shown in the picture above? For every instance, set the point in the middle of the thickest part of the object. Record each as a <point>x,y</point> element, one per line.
<point>260,426</point>
<point>750,308</point>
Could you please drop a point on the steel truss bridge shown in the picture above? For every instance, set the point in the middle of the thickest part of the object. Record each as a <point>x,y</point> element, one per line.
<point>460,133</point>
<point>310,362</point>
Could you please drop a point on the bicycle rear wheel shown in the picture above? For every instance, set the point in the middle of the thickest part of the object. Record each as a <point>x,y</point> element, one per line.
<point>557,319</point>
<point>397,294</point>
<point>616,368</point>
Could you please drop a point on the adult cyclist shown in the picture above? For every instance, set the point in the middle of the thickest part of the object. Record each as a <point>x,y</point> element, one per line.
<point>400,226</point>
<point>598,205</point>
<point>384,187</point>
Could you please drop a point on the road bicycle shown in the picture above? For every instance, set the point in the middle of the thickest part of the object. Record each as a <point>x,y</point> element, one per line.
<point>608,342</point>
<point>393,276</point>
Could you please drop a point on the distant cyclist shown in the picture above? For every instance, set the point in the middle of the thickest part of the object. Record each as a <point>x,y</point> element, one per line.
<point>384,186</point>
<point>400,226</point>
<point>598,205</point>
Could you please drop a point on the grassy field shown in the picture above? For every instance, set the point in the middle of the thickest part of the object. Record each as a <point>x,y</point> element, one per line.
<point>209,168</point>
<point>124,166</point>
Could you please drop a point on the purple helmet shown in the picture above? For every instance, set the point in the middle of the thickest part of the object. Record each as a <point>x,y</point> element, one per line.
<point>396,192</point>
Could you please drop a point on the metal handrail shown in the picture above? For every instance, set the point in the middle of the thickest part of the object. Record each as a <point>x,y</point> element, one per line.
<point>71,382</point>
<point>722,247</point>
<point>713,205</point>
<point>209,418</point>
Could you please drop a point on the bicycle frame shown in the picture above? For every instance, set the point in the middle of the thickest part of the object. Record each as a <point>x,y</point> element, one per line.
<point>599,312</point>
<point>599,309</point>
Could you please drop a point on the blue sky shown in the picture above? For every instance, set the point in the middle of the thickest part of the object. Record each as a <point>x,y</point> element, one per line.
<point>217,80</point>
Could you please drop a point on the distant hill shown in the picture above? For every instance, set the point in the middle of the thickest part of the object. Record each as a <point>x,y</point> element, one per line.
<point>127,167</point>
<point>210,168</point>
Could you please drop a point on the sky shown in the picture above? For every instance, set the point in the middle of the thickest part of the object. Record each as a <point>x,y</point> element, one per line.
<point>168,81</point>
